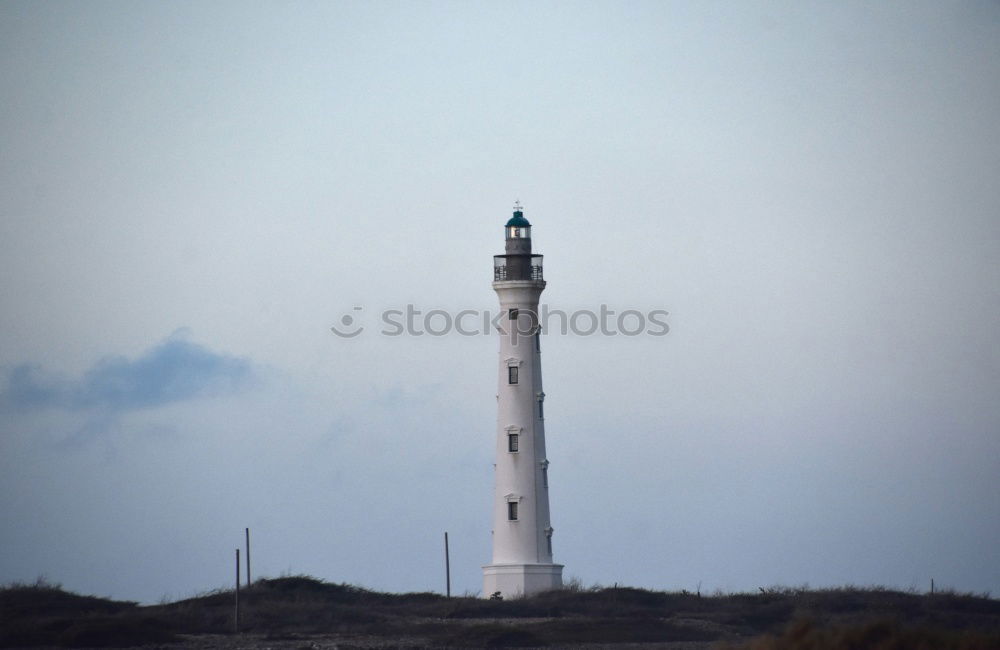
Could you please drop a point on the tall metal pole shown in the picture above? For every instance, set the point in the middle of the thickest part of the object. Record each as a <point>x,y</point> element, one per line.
<point>237,619</point>
<point>248,558</point>
<point>447,566</point>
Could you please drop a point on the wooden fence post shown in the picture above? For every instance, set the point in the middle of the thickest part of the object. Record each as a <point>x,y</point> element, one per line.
<point>248,558</point>
<point>447,566</point>
<point>236,624</point>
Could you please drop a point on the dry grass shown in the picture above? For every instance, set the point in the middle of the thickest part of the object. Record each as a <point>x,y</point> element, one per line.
<point>880,634</point>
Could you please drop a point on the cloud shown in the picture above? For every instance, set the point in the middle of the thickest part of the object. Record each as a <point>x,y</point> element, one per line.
<point>174,371</point>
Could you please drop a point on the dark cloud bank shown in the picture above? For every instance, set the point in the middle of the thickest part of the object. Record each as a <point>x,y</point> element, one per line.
<point>174,371</point>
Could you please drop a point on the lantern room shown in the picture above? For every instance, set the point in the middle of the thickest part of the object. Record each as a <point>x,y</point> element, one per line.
<point>518,227</point>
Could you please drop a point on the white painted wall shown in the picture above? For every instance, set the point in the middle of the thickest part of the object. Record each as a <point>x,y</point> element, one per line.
<point>522,563</point>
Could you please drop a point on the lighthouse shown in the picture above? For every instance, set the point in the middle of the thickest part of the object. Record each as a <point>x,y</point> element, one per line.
<point>522,531</point>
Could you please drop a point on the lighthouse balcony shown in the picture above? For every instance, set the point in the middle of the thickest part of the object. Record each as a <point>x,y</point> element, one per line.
<point>517,267</point>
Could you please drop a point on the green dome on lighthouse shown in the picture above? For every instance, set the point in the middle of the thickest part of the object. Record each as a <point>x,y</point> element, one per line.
<point>518,220</point>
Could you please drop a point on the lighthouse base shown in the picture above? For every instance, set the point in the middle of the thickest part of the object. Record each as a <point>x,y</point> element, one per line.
<point>513,580</point>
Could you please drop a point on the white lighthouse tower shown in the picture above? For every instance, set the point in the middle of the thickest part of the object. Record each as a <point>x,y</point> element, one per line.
<point>522,533</point>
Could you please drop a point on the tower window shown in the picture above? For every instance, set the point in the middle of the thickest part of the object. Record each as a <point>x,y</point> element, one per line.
<point>512,314</point>
<point>548,544</point>
<point>541,411</point>
<point>511,442</point>
<point>538,340</point>
<point>545,476</point>
<point>511,374</point>
<point>512,510</point>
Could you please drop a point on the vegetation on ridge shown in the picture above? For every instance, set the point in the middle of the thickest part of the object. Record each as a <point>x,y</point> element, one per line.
<point>291,609</point>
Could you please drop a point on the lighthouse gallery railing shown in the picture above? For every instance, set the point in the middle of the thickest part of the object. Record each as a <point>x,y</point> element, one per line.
<point>517,267</point>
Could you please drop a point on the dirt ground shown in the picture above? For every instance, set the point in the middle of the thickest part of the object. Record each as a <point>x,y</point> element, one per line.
<point>349,642</point>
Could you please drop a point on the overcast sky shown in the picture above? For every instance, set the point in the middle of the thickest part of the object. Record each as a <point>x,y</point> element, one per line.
<point>192,194</point>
